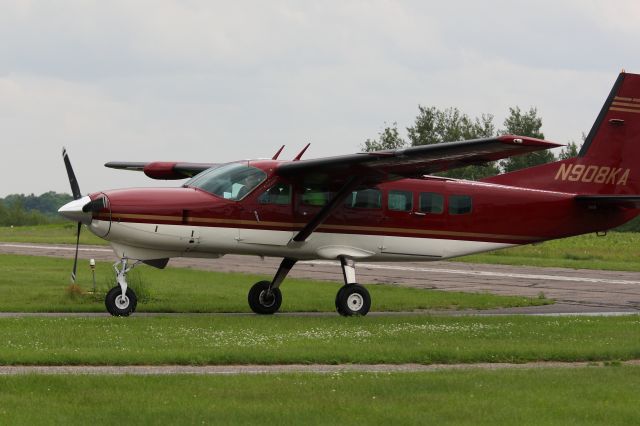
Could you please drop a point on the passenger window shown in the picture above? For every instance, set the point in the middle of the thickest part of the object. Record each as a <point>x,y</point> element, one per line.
<point>315,196</point>
<point>459,204</point>
<point>430,202</point>
<point>400,201</point>
<point>279,194</point>
<point>365,199</point>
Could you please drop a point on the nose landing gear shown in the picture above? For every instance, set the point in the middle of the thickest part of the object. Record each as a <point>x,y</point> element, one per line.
<point>121,300</point>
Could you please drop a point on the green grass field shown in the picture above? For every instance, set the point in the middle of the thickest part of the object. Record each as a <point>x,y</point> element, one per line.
<point>615,251</point>
<point>583,396</point>
<point>590,395</point>
<point>40,284</point>
<point>251,339</point>
<point>63,233</point>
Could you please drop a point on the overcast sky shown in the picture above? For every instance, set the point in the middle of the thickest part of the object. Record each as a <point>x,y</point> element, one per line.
<point>209,81</point>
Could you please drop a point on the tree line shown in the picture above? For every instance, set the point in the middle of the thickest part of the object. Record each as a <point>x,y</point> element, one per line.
<point>434,125</point>
<point>23,210</point>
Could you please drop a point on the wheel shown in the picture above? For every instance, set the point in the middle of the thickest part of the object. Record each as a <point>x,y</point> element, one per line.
<point>263,302</point>
<point>119,306</point>
<point>353,299</point>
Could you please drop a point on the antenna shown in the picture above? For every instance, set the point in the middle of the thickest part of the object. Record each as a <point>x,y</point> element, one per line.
<point>299,156</point>
<point>275,157</point>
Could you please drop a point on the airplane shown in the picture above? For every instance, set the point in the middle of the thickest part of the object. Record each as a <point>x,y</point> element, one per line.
<point>373,206</point>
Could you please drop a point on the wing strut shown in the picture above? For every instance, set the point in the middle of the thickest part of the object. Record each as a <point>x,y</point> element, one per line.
<point>328,208</point>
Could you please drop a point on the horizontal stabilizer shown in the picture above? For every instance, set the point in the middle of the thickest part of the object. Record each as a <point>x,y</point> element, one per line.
<point>626,201</point>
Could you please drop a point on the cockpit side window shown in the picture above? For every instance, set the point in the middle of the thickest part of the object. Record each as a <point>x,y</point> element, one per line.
<point>230,181</point>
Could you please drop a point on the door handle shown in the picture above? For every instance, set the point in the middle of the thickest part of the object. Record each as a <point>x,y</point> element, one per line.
<point>419,213</point>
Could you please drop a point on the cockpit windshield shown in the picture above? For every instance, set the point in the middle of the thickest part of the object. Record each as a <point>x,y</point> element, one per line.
<point>230,181</point>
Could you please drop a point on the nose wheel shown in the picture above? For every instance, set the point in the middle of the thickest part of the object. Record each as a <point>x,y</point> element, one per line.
<point>120,305</point>
<point>121,300</point>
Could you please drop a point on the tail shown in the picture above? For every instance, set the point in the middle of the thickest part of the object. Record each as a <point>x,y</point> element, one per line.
<point>608,163</point>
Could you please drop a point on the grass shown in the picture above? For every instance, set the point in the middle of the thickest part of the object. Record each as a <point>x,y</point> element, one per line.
<point>590,395</point>
<point>41,284</point>
<point>60,233</point>
<point>250,339</point>
<point>618,251</point>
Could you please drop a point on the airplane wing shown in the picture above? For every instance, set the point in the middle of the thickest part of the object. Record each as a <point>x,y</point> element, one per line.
<point>163,170</point>
<point>350,171</point>
<point>381,166</point>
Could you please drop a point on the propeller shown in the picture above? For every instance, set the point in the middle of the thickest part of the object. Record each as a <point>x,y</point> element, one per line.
<point>75,190</point>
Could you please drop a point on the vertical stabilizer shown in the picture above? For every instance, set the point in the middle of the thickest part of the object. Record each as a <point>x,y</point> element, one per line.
<point>609,161</point>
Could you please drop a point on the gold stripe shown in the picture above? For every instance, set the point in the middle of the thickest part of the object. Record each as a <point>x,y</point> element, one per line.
<point>626,104</point>
<point>618,98</point>
<point>204,220</point>
<point>637,111</point>
<point>297,226</point>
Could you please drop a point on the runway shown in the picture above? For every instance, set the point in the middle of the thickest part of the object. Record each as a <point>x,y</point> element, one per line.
<point>575,291</point>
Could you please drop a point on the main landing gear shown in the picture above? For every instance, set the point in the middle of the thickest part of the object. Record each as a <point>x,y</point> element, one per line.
<point>352,298</point>
<point>121,301</point>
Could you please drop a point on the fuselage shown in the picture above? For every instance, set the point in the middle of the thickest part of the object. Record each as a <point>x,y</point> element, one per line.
<point>407,219</point>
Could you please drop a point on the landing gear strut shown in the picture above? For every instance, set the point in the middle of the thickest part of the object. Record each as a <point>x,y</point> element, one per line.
<point>121,301</point>
<point>352,298</point>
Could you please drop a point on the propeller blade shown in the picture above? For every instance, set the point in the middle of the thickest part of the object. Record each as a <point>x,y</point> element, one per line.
<point>75,260</point>
<point>75,188</point>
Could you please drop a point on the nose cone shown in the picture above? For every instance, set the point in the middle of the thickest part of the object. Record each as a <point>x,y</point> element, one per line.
<point>73,210</point>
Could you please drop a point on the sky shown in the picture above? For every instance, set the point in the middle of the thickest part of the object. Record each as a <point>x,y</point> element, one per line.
<point>209,81</point>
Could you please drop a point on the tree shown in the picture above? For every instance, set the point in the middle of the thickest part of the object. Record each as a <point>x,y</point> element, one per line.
<point>387,139</point>
<point>572,149</point>
<point>20,209</point>
<point>433,125</point>
<point>569,151</point>
<point>525,124</point>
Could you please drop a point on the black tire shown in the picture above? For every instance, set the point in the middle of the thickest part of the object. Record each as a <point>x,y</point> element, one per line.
<point>353,299</point>
<point>263,303</point>
<point>118,307</point>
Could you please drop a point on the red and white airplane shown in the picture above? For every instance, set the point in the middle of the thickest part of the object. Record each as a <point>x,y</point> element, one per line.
<point>378,206</point>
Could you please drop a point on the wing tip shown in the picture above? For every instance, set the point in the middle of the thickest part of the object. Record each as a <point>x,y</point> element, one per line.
<point>527,141</point>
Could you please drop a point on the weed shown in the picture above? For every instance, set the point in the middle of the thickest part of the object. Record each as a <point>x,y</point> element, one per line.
<point>139,286</point>
<point>74,291</point>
